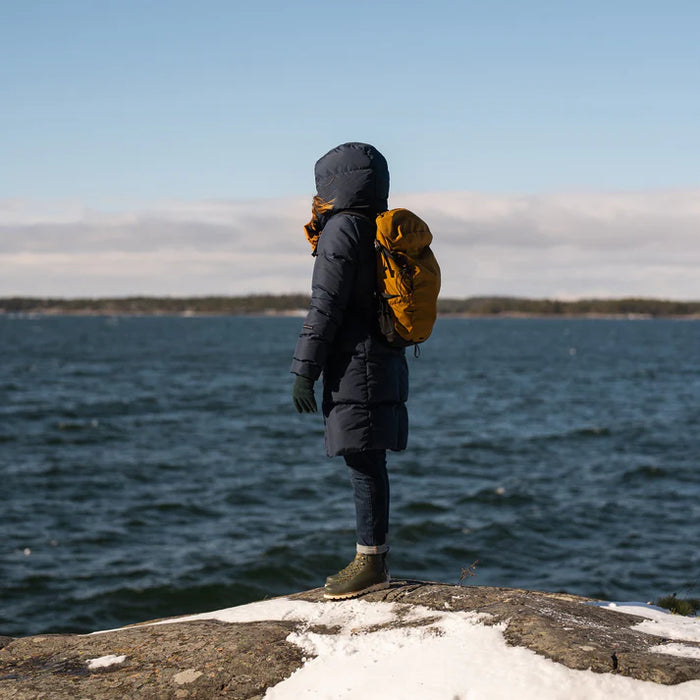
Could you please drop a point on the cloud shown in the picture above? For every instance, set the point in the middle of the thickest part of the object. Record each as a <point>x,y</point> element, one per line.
<point>563,245</point>
<point>566,245</point>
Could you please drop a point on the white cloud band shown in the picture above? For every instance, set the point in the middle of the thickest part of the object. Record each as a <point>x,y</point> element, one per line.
<point>549,245</point>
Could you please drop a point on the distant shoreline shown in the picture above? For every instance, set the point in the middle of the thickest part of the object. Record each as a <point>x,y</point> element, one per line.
<point>295,305</point>
<point>274,314</point>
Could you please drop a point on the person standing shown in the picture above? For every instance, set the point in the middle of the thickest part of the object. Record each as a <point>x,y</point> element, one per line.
<point>365,381</point>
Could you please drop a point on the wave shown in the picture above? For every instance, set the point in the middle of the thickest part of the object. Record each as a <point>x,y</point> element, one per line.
<point>644,471</point>
<point>497,496</point>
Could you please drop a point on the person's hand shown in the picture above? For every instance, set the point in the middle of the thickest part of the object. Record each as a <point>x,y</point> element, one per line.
<point>303,395</point>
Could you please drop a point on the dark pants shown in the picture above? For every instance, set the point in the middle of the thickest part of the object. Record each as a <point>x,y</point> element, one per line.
<point>370,483</point>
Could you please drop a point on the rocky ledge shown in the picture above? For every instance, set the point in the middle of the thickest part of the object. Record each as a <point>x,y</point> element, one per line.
<point>213,659</point>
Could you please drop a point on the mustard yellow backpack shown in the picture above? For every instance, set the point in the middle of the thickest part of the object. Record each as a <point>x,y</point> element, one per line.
<point>408,278</point>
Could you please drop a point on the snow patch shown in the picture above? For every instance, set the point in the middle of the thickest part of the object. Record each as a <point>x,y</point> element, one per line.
<point>677,650</point>
<point>104,661</point>
<point>453,654</point>
<point>660,622</point>
<point>332,614</point>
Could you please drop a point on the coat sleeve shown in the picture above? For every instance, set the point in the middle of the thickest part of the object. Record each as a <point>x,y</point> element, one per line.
<point>331,289</point>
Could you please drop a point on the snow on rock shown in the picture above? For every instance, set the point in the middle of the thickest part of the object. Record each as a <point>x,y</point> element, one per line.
<point>383,650</point>
<point>330,613</point>
<point>662,623</point>
<point>104,661</point>
<point>677,650</point>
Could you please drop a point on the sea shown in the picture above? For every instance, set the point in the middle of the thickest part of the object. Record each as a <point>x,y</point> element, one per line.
<point>155,466</point>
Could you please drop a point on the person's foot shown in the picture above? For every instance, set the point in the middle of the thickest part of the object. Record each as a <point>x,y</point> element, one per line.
<point>365,573</point>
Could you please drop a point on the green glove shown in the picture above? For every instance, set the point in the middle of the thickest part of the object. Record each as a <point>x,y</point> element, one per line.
<point>303,395</point>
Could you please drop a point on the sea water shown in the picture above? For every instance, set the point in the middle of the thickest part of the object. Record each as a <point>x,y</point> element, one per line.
<point>153,466</point>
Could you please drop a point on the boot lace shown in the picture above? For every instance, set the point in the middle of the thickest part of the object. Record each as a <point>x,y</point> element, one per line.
<point>354,567</point>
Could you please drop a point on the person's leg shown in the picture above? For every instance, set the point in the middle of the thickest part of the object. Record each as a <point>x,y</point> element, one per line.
<point>367,572</point>
<point>370,483</point>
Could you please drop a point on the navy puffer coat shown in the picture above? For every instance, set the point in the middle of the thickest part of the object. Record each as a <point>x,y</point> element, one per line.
<point>365,382</point>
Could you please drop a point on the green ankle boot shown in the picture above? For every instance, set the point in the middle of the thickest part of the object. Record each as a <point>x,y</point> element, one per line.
<point>365,573</point>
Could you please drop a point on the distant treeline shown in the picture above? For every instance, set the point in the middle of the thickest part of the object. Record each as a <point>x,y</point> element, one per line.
<point>287,303</point>
<point>493,306</point>
<point>218,305</point>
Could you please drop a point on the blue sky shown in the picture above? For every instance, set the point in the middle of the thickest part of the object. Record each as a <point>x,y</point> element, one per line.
<point>130,101</point>
<point>112,106</point>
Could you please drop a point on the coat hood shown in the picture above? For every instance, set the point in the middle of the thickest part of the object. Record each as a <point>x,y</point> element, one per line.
<point>354,176</point>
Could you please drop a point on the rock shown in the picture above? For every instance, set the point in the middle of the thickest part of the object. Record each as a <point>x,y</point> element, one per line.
<point>206,659</point>
<point>211,659</point>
